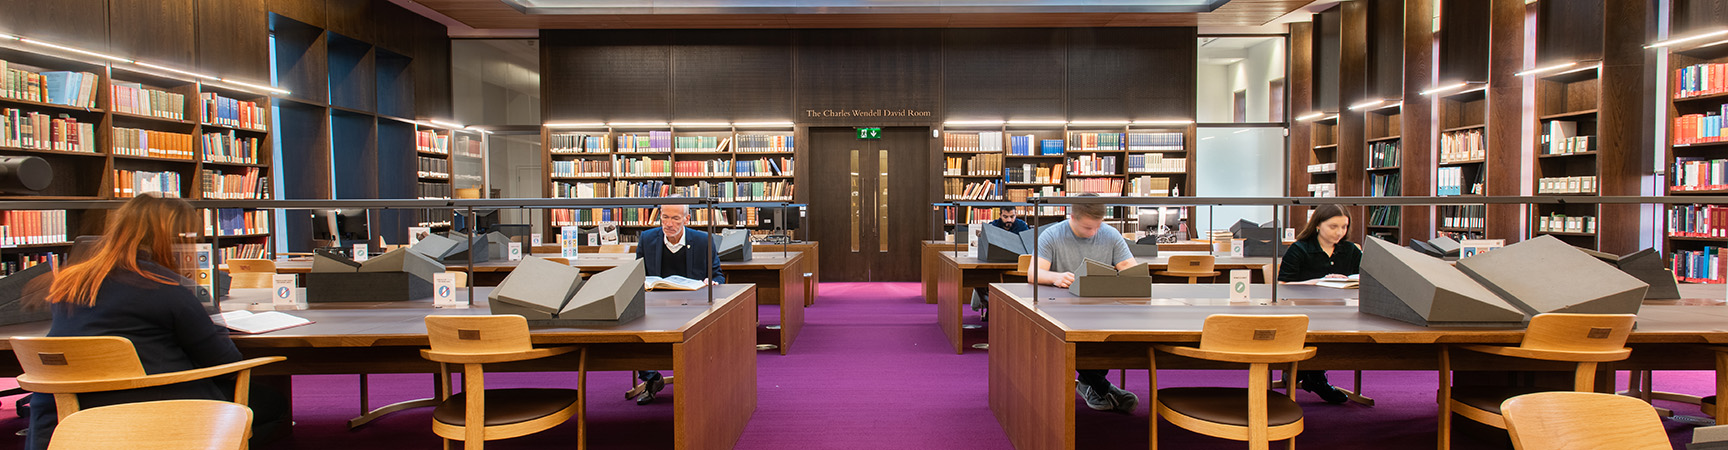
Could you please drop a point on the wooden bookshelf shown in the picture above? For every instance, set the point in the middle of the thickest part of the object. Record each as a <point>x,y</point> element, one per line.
<point>1693,151</point>
<point>1384,178</point>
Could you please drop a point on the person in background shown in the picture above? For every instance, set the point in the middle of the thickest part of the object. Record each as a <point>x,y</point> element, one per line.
<point>674,249</point>
<point>1009,219</point>
<point>129,286</point>
<point>1065,248</point>
<point>1322,250</point>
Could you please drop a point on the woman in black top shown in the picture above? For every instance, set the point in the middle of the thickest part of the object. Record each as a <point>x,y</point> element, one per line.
<point>1321,251</point>
<point>127,287</point>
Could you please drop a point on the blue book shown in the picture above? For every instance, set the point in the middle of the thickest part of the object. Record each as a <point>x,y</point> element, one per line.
<point>54,87</point>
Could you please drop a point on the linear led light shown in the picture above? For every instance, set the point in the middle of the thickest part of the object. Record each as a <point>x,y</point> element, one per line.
<point>1164,122</point>
<point>1546,69</point>
<point>576,125</point>
<point>8,36</point>
<point>762,124</point>
<point>1098,122</point>
<point>702,124</point>
<point>1309,116</point>
<point>972,122</point>
<point>482,130</point>
<point>1367,104</point>
<point>254,86</point>
<point>1688,39</point>
<point>1581,69</point>
<point>637,124</point>
<point>445,124</point>
<point>178,71</point>
<point>74,50</point>
<point>1037,122</point>
<point>1452,87</point>
<point>1331,117</point>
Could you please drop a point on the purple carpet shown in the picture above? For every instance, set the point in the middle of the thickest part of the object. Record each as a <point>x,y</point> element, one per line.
<point>872,371</point>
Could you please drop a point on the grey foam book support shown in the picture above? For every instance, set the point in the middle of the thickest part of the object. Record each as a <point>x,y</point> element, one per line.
<point>399,275</point>
<point>552,294</point>
<point>1259,242</point>
<point>480,247</point>
<point>734,245</point>
<point>613,295</point>
<point>1401,284</point>
<point>1096,279</point>
<point>1241,224</point>
<point>998,245</point>
<point>23,296</point>
<point>1147,250</point>
<point>328,262</point>
<point>498,246</point>
<point>537,289</point>
<point>1446,245</point>
<point>1647,266</point>
<point>437,246</point>
<point>1545,275</point>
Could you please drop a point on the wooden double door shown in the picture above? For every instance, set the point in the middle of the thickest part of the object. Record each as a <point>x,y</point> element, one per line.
<point>870,201</point>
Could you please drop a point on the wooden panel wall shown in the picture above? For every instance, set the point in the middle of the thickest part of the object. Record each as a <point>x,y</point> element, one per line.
<point>1386,48</point>
<point>731,75</point>
<point>867,70</point>
<point>431,69</point>
<point>82,23</point>
<point>1506,111</point>
<point>1463,40</point>
<point>1301,87</point>
<point>233,38</point>
<point>1003,74</point>
<point>1696,16</point>
<point>352,18</point>
<point>1624,140</point>
<point>1327,31</point>
<point>1131,73</point>
<point>153,30</point>
<point>605,76</point>
<point>1420,139</point>
<point>1352,125</point>
<point>310,12</point>
<point>1570,30</point>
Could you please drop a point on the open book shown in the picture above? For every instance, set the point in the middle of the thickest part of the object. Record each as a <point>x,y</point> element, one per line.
<point>253,323</point>
<point>1352,282</point>
<point>676,283</point>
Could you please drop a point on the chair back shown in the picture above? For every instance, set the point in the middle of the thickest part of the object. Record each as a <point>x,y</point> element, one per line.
<point>70,359</point>
<point>1549,420</point>
<point>251,266</point>
<point>1578,332</point>
<point>1024,264</point>
<point>477,335</point>
<point>163,425</point>
<point>1191,263</point>
<point>251,280</point>
<point>461,277</point>
<point>1254,333</point>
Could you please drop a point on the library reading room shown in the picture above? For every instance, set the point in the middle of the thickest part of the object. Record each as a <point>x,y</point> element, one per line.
<point>863,224</point>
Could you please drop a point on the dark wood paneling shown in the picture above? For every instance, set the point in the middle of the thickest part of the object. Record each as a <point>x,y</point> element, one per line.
<point>431,68</point>
<point>496,14</point>
<point>302,61</point>
<point>310,12</point>
<point>1463,40</point>
<point>738,75</point>
<point>867,70</point>
<point>1506,110</point>
<point>1352,125</point>
<point>159,31</point>
<point>1697,16</point>
<point>395,84</point>
<point>1623,141</point>
<point>233,39</point>
<point>606,76</point>
<point>1002,74</point>
<point>305,151</point>
<point>1327,31</point>
<point>396,177</point>
<point>78,23</point>
<point>1418,116</point>
<point>352,18</point>
<point>354,155</point>
<point>353,73</point>
<point>1131,73</point>
<point>1386,48</point>
<point>1301,89</point>
<point>392,26</point>
<point>1570,30</point>
<point>908,210</point>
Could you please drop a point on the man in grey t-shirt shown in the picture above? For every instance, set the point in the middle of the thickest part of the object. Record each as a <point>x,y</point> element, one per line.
<point>1066,247</point>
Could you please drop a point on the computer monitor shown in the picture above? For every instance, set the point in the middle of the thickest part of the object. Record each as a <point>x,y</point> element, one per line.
<point>777,217</point>
<point>1163,223</point>
<point>351,225</point>
<point>484,220</point>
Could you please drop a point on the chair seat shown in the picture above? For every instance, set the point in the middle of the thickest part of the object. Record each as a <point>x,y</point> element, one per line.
<point>1489,398</point>
<point>1227,406</point>
<point>507,406</point>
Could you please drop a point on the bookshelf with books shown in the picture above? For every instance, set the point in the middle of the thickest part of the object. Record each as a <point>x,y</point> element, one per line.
<point>1033,168</point>
<point>1698,152</point>
<point>1384,170</point>
<point>1566,156</point>
<point>1463,161</point>
<point>1323,157</point>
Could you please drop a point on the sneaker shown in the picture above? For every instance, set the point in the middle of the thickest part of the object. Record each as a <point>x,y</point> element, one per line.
<point>1094,399</point>
<point>1125,401</point>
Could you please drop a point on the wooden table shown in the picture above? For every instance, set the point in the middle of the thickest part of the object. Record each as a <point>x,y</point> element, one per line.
<point>779,278</point>
<point>705,346</point>
<point>1035,349</point>
<point>956,276</point>
<point>927,256</point>
<point>810,249</point>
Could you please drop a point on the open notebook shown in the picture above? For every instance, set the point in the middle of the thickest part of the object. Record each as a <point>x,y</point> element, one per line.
<point>675,283</point>
<point>253,323</point>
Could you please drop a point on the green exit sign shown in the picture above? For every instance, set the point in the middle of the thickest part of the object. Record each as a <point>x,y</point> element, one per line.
<point>870,133</point>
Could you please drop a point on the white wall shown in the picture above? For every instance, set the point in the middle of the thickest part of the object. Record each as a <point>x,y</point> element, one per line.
<point>1213,101</point>
<point>1237,162</point>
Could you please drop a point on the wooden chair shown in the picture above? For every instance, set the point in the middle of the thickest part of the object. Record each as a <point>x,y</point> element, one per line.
<point>1022,268</point>
<point>617,248</point>
<point>477,414</point>
<point>251,273</point>
<point>158,425</point>
<point>1244,414</point>
<point>1583,339</point>
<point>1583,420</point>
<point>1190,266</point>
<point>559,260</point>
<point>68,366</point>
<point>461,277</point>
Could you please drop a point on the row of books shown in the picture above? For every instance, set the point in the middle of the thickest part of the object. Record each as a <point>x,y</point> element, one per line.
<point>705,189</point>
<point>28,260</point>
<point>249,183</point>
<point>1699,80</point>
<point>765,167</point>
<point>582,168</point>
<point>700,143</point>
<point>1561,138</point>
<point>1463,216</point>
<point>642,167</point>
<point>1091,142</point>
<point>235,221</point>
<point>967,214</point>
<point>581,190</point>
<point>748,217</point>
<point>1020,195</point>
<point>1583,184</point>
<point>1101,186</point>
<point>233,113</point>
<point>33,227</point>
<point>1450,181</point>
<point>1701,221</point>
<point>759,191</point>
<point>1385,185</point>
<point>426,167</point>
<point>1157,142</point>
<point>1034,173</point>
<point>1323,189</point>
<point>38,131</point>
<point>151,143</point>
<point>1150,187</point>
<point>1700,266</point>
<point>134,98</point>
<point>58,87</point>
<point>764,143</point>
<point>1700,128</point>
<point>433,190</point>
<point>1383,216</point>
<point>131,183</point>
<point>653,142</point>
<point>225,147</point>
<point>1156,163</point>
<point>1699,174</point>
<point>588,217</point>
<point>983,142</point>
<point>1561,223</point>
<point>578,143</point>
<point>1092,165</point>
<point>243,251</point>
<point>429,141</point>
<point>1462,146</point>
<point>1383,154</point>
<point>1029,145</point>
<point>710,168</point>
<point>960,189</point>
<point>980,165</point>
<point>1323,168</point>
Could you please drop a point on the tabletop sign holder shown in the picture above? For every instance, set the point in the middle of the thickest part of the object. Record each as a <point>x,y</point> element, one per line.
<point>444,292</point>
<point>1239,284</point>
<point>569,242</point>
<point>284,289</point>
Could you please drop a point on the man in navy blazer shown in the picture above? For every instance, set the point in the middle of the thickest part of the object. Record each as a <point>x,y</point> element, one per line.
<point>671,250</point>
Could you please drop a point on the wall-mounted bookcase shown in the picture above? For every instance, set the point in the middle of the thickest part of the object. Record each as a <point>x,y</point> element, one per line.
<point>1697,160</point>
<point>1566,156</point>
<point>1384,171</point>
<point>732,162</point>
<point>117,130</point>
<point>1323,158</point>
<point>1463,163</point>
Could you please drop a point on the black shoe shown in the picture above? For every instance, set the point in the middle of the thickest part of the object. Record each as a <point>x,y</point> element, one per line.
<point>654,387</point>
<point>1326,392</point>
